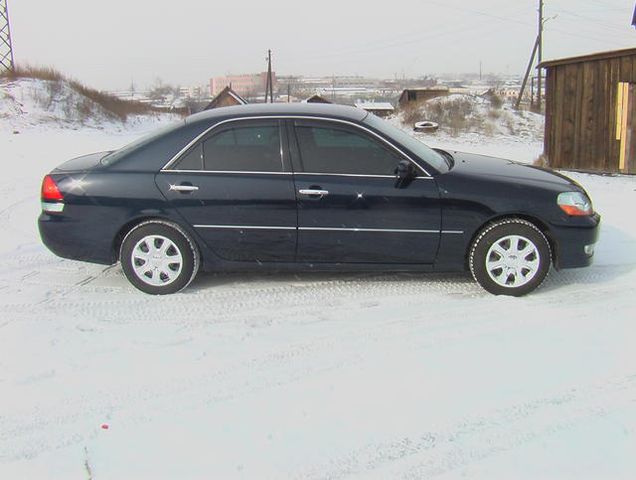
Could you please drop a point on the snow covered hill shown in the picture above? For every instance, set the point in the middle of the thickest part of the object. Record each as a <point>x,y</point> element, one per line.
<point>476,124</point>
<point>27,103</point>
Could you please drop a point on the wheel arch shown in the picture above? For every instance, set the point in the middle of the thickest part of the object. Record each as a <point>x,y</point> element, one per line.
<point>542,226</point>
<point>131,224</point>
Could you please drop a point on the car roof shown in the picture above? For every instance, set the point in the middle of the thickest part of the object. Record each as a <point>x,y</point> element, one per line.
<point>342,112</point>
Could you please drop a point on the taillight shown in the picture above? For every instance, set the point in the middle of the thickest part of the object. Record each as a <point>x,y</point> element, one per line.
<point>52,198</point>
<point>575,204</point>
<point>50,192</point>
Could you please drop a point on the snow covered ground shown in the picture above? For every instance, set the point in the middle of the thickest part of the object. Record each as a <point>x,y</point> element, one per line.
<point>310,375</point>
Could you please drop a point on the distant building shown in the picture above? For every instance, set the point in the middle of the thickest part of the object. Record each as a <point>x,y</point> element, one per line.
<point>245,85</point>
<point>316,99</point>
<point>381,109</point>
<point>590,112</point>
<point>193,92</point>
<point>226,98</point>
<point>509,92</point>
<point>422,94</point>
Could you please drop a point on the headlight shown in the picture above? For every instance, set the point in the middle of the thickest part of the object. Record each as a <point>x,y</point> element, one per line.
<point>575,204</point>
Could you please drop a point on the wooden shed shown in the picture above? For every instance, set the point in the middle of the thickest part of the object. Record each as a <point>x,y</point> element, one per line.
<point>316,98</point>
<point>422,94</point>
<point>591,112</point>
<point>226,98</point>
<point>381,109</point>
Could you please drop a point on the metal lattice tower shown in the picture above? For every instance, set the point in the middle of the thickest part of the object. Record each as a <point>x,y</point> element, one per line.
<point>6,50</point>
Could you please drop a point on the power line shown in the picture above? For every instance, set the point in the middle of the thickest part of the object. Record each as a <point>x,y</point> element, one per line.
<point>596,23</point>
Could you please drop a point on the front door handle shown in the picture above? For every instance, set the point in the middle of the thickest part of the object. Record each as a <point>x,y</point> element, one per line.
<point>183,188</point>
<point>322,193</point>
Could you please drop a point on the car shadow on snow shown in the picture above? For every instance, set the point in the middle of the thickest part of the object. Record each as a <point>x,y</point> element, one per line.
<point>461,282</point>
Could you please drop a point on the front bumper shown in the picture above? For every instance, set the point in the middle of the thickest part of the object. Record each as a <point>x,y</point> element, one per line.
<point>574,244</point>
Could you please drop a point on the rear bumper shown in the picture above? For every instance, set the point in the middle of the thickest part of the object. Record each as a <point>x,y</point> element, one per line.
<point>68,239</point>
<point>575,244</point>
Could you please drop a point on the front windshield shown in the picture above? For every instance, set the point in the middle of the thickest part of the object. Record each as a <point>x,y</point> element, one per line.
<point>426,153</point>
<point>117,155</point>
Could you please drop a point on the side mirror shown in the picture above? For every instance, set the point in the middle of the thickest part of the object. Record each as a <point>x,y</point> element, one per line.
<point>404,173</point>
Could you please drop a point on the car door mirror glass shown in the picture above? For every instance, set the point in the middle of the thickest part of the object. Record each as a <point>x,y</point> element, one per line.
<point>404,174</point>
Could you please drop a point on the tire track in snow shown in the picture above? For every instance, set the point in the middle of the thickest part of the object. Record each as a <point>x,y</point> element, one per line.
<point>285,366</point>
<point>476,438</point>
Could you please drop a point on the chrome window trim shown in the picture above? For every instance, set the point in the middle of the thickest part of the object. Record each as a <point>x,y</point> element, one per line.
<point>209,130</point>
<point>240,172</point>
<point>327,229</point>
<point>357,175</point>
<point>231,172</point>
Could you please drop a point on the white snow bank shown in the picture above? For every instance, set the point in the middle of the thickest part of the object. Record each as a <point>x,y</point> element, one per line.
<point>28,103</point>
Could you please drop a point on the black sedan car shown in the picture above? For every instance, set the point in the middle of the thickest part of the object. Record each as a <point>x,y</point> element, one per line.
<point>311,187</point>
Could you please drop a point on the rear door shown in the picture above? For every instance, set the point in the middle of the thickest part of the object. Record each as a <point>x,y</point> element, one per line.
<point>349,207</point>
<point>235,188</point>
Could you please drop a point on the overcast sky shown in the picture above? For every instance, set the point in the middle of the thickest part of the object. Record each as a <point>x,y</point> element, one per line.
<point>107,43</point>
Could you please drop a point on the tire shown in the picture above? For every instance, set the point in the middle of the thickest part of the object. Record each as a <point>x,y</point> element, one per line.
<point>510,257</point>
<point>426,126</point>
<point>159,257</point>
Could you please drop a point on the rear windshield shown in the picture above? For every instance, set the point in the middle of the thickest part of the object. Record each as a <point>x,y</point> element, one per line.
<point>430,156</point>
<point>117,155</point>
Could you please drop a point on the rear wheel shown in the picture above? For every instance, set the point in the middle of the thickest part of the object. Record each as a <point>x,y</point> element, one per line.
<point>159,258</point>
<point>510,257</point>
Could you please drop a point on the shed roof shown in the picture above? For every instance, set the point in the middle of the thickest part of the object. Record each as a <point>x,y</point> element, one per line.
<point>375,106</point>
<point>227,91</point>
<point>316,98</point>
<point>437,88</point>
<point>590,58</point>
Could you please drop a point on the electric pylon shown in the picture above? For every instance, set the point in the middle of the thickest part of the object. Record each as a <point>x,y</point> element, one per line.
<point>6,49</point>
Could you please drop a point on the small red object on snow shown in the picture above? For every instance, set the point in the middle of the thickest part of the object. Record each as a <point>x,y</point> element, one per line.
<point>104,426</point>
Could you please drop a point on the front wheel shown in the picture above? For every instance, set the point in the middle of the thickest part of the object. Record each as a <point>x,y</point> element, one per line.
<point>159,258</point>
<point>510,257</point>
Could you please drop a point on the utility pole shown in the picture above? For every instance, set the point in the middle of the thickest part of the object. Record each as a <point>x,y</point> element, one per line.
<point>525,78</point>
<point>531,90</point>
<point>269,87</point>
<point>333,88</point>
<point>540,56</point>
<point>7,63</point>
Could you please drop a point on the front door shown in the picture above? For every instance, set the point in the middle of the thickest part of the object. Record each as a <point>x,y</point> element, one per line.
<point>233,187</point>
<point>349,207</point>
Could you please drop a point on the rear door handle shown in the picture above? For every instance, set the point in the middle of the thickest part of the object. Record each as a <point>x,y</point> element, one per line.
<point>183,188</point>
<point>322,193</point>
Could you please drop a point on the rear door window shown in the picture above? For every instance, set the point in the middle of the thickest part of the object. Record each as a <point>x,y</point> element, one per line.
<point>192,159</point>
<point>253,147</point>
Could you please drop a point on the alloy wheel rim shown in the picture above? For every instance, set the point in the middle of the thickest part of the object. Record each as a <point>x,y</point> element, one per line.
<point>513,261</point>
<point>156,260</point>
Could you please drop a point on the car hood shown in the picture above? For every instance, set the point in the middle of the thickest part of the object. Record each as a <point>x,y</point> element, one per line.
<point>83,163</point>
<point>493,167</point>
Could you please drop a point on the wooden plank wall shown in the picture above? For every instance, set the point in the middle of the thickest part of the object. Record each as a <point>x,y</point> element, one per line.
<point>580,131</point>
